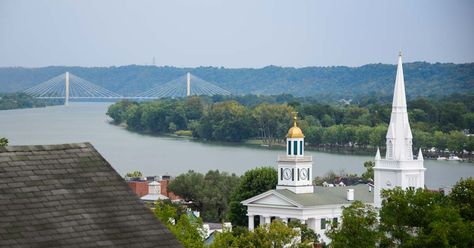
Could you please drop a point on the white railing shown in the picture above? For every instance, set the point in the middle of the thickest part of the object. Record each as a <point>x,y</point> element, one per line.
<point>286,158</point>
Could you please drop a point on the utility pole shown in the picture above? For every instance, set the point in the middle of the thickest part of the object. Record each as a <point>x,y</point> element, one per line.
<point>66,101</point>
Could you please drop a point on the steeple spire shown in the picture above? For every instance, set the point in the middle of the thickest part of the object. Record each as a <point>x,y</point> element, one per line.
<point>399,136</point>
<point>377,155</point>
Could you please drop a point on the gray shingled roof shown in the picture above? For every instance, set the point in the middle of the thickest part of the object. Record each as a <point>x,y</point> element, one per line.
<point>69,196</point>
<point>329,195</point>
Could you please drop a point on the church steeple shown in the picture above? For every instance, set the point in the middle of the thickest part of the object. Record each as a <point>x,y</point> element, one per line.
<point>398,169</point>
<point>399,136</point>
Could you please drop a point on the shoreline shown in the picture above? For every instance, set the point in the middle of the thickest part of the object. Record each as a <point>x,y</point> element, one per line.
<point>257,143</point>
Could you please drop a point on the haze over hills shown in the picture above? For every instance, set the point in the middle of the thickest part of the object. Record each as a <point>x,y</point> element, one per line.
<point>422,79</point>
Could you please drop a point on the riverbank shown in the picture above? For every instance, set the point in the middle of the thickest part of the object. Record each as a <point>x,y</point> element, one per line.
<point>258,143</point>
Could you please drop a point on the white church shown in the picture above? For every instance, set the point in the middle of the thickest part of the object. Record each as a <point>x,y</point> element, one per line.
<point>295,197</point>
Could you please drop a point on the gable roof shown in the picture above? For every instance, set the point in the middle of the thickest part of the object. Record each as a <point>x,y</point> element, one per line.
<point>321,196</point>
<point>69,196</point>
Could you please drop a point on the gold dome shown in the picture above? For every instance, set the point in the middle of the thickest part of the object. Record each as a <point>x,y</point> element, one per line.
<point>295,131</point>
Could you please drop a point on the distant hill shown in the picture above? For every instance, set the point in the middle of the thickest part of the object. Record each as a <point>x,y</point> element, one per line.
<point>422,79</point>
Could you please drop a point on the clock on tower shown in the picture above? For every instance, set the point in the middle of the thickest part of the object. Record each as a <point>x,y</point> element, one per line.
<point>294,168</point>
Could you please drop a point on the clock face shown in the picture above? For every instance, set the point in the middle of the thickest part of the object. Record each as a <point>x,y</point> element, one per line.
<point>287,174</point>
<point>304,174</point>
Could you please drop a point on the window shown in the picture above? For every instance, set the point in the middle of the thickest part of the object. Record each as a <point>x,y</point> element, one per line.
<point>334,222</point>
<point>289,147</point>
<point>301,147</point>
<point>295,147</point>
<point>323,223</point>
<point>281,174</point>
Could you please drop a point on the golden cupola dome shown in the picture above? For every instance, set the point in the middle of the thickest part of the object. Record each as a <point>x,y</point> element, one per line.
<point>295,131</point>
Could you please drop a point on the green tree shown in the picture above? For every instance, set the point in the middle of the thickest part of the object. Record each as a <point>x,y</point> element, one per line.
<point>118,111</point>
<point>462,196</point>
<point>369,173</point>
<point>3,142</point>
<point>421,218</point>
<point>134,174</point>
<point>209,193</point>
<point>277,234</point>
<point>252,183</point>
<point>358,228</point>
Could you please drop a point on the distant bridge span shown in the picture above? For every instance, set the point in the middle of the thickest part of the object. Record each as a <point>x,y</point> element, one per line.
<point>68,86</point>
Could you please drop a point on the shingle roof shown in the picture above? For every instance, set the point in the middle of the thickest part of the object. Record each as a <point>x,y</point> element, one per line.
<point>69,196</point>
<point>329,195</point>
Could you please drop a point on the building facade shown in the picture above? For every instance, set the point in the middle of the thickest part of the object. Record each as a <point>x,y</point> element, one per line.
<point>295,197</point>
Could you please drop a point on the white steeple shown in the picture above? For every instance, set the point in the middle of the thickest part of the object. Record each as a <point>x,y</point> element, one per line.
<point>377,155</point>
<point>399,137</point>
<point>398,169</point>
<point>420,155</point>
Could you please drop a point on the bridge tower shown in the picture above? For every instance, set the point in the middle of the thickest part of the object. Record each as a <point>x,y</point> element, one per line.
<point>66,100</point>
<point>188,84</point>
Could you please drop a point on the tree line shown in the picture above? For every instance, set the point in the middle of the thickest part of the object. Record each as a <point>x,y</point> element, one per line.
<point>440,123</point>
<point>330,83</point>
<point>22,100</point>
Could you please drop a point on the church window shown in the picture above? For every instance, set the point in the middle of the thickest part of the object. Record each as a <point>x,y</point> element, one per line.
<point>298,174</point>
<point>295,147</point>
<point>289,147</point>
<point>301,147</point>
<point>292,174</point>
<point>323,223</point>
<point>389,149</point>
<point>281,173</point>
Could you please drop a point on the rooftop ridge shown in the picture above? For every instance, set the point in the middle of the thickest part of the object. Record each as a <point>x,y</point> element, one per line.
<point>26,148</point>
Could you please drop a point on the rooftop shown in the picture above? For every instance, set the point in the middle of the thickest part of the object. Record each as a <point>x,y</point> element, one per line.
<point>329,195</point>
<point>70,196</point>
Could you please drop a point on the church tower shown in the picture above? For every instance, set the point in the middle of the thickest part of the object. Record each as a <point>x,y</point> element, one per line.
<point>398,169</point>
<point>295,169</point>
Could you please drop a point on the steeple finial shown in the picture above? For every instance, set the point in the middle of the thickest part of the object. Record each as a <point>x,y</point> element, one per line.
<point>295,118</point>
<point>399,53</point>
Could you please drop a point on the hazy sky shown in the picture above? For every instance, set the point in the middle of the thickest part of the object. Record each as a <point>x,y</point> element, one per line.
<point>241,33</point>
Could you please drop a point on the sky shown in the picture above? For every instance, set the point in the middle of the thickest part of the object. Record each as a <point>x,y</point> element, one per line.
<point>234,33</point>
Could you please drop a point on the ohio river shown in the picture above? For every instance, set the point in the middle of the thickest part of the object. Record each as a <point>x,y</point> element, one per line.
<point>129,151</point>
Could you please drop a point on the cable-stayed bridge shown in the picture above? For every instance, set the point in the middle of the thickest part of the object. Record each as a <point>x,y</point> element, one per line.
<point>174,88</point>
<point>68,86</point>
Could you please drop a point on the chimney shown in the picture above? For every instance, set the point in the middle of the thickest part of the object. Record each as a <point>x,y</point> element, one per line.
<point>350,194</point>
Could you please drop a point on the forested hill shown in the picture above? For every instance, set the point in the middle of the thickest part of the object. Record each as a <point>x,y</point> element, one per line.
<point>422,79</point>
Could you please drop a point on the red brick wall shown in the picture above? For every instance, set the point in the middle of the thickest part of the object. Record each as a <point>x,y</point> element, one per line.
<point>164,190</point>
<point>139,188</point>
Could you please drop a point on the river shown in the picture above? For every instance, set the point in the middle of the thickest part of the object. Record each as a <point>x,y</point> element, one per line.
<point>128,151</point>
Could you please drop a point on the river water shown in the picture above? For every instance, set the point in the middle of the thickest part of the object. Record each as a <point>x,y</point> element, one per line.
<point>128,151</point>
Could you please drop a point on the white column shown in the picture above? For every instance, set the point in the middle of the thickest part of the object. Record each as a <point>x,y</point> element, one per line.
<point>268,219</point>
<point>66,101</point>
<point>188,84</point>
<point>312,223</point>
<point>262,220</point>
<point>251,224</point>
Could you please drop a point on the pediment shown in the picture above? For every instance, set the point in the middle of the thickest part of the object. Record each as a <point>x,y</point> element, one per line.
<point>270,199</point>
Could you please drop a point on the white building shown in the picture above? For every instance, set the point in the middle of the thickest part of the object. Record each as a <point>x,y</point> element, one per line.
<point>154,193</point>
<point>295,198</point>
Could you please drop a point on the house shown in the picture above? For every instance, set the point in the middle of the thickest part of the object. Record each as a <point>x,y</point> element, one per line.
<point>295,197</point>
<point>70,196</point>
